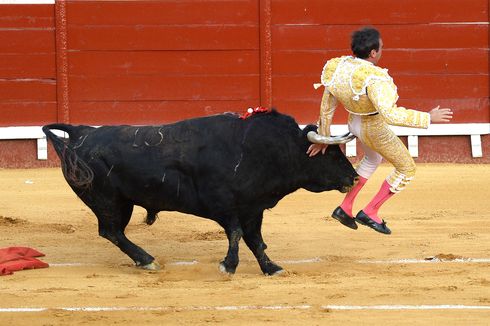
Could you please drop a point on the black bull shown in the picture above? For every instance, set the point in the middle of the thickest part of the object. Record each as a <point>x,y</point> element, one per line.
<point>219,167</point>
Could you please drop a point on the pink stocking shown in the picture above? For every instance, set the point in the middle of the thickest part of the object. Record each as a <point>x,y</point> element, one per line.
<point>381,197</point>
<point>351,196</point>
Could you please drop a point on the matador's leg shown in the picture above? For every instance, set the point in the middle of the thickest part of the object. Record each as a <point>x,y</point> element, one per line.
<point>365,169</point>
<point>377,135</point>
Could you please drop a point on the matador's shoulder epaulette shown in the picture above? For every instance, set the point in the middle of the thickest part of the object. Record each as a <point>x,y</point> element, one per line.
<point>364,74</point>
<point>329,69</point>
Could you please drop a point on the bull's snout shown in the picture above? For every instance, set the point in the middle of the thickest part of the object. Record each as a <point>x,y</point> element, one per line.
<point>349,184</point>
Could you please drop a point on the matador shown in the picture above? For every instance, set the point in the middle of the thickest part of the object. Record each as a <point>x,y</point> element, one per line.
<point>369,94</point>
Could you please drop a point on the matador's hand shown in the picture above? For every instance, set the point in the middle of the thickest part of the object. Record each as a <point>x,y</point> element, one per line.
<point>315,149</point>
<point>440,115</point>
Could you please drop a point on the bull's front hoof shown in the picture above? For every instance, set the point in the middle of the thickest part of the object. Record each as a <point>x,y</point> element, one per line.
<point>226,270</point>
<point>153,266</point>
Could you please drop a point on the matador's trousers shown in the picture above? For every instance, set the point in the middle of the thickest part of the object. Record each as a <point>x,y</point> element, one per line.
<point>378,141</point>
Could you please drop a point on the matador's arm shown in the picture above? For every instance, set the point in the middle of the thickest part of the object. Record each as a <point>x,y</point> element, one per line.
<point>327,109</point>
<point>383,95</point>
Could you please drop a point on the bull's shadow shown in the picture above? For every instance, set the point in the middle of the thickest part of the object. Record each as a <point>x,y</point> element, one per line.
<point>221,167</point>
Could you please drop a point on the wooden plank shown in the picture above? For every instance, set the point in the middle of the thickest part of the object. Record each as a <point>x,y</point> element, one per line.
<point>43,90</point>
<point>190,37</point>
<point>26,16</point>
<point>424,36</point>
<point>151,112</point>
<point>471,110</point>
<point>105,63</point>
<point>435,61</point>
<point>173,12</point>
<point>27,113</point>
<point>305,62</point>
<point>409,86</point>
<point>425,94</point>
<point>442,86</point>
<point>376,12</point>
<point>451,61</point>
<point>446,149</point>
<point>27,65</point>
<point>30,41</point>
<point>306,111</point>
<point>133,88</point>
<point>19,154</point>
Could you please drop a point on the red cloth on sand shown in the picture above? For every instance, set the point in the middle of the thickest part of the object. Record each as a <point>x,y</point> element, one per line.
<point>14,259</point>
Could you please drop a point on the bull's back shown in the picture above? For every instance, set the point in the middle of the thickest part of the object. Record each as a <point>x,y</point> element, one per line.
<point>196,166</point>
<point>163,167</point>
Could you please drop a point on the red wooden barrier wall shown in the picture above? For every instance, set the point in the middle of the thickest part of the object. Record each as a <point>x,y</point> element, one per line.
<point>139,62</point>
<point>27,65</point>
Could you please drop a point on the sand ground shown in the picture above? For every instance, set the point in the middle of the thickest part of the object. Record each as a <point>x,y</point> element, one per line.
<point>445,212</point>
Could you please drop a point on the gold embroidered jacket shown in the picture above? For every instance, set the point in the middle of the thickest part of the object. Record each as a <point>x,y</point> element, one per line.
<point>363,89</point>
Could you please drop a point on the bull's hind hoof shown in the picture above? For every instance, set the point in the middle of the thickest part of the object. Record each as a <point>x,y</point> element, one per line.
<point>279,272</point>
<point>153,266</point>
<point>223,269</point>
<point>151,217</point>
<point>272,269</point>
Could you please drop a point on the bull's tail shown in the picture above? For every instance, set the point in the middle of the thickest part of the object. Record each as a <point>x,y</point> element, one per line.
<point>77,173</point>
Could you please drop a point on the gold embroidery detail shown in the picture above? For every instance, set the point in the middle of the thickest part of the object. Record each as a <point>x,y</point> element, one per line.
<point>377,135</point>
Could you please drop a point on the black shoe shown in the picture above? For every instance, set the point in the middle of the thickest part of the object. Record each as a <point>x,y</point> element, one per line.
<point>340,215</point>
<point>364,219</point>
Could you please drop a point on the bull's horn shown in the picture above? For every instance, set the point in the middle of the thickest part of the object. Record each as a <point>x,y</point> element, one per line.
<point>329,140</point>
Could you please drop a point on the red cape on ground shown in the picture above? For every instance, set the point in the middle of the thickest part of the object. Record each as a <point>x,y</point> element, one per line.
<point>18,258</point>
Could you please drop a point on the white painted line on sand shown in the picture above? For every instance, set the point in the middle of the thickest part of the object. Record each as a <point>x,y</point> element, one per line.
<point>245,308</point>
<point>23,309</point>
<point>407,307</point>
<point>192,262</point>
<point>301,261</point>
<point>70,264</point>
<point>425,261</point>
<point>429,260</point>
<point>169,308</point>
<point>184,263</point>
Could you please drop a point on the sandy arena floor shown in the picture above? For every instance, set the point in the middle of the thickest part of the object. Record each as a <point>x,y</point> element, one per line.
<point>332,271</point>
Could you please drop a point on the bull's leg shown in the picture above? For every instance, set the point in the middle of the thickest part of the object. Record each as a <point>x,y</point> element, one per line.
<point>252,235</point>
<point>137,254</point>
<point>230,263</point>
<point>113,219</point>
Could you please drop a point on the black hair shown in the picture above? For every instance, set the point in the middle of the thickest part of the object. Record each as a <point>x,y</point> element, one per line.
<point>365,40</point>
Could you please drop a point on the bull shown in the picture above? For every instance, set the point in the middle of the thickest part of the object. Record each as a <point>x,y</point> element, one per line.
<point>222,167</point>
